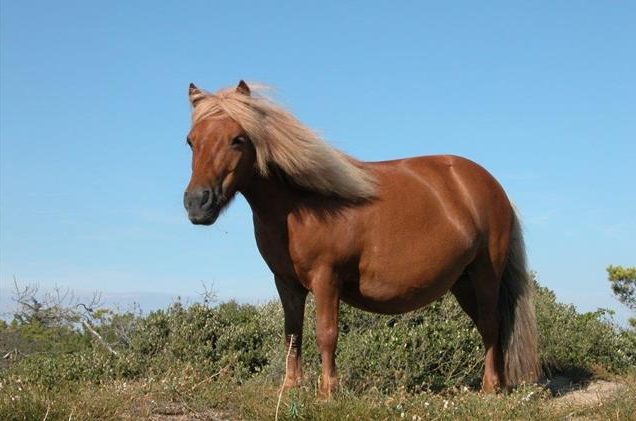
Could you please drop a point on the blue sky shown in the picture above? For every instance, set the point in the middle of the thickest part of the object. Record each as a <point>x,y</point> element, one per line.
<point>94,115</point>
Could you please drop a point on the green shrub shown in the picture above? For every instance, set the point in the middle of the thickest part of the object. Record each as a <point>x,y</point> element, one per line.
<point>50,371</point>
<point>433,348</point>
<point>230,338</point>
<point>430,348</point>
<point>572,341</point>
<point>35,337</point>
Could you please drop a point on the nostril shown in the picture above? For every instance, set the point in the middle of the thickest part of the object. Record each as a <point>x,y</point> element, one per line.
<point>205,197</point>
<point>185,200</point>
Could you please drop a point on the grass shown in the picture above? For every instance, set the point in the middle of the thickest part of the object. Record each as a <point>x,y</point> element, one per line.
<point>256,400</point>
<point>226,361</point>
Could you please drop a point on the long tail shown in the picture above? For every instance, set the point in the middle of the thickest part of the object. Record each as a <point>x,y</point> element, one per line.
<point>517,321</point>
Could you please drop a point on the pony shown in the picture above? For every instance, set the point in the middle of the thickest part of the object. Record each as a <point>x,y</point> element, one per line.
<point>386,237</point>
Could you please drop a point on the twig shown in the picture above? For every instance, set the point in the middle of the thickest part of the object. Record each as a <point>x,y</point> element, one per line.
<point>207,379</point>
<point>282,387</point>
<point>183,400</point>
<point>99,337</point>
<point>10,353</point>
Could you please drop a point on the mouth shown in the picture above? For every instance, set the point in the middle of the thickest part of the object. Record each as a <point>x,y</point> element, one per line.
<point>207,205</point>
<point>207,217</point>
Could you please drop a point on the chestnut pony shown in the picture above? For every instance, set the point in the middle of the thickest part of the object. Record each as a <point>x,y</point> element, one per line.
<point>386,237</point>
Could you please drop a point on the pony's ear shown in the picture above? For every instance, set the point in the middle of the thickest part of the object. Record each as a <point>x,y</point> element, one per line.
<point>194,94</point>
<point>242,88</point>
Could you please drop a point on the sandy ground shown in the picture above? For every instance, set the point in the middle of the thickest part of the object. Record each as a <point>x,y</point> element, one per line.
<point>568,393</point>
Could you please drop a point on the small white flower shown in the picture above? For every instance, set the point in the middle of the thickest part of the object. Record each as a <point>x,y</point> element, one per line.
<point>527,398</point>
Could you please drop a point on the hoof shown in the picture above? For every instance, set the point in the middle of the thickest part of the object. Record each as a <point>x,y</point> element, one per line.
<point>291,383</point>
<point>490,387</point>
<point>328,388</point>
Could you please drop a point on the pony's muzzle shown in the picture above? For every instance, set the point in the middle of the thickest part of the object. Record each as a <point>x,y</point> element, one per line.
<point>201,204</point>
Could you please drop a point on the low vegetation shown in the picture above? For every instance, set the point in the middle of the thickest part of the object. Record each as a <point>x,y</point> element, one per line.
<point>226,360</point>
<point>623,282</point>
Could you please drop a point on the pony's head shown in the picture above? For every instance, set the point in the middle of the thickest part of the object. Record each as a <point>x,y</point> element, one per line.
<point>237,134</point>
<point>223,158</point>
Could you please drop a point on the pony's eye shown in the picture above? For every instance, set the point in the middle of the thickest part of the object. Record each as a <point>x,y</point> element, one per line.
<point>189,142</point>
<point>238,141</point>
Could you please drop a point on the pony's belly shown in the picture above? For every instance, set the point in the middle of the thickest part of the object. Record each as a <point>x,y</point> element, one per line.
<point>400,282</point>
<point>392,296</point>
<point>393,303</point>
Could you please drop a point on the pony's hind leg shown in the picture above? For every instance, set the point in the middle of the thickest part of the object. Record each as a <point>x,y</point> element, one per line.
<point>465,295</point>
<point>477,292</point>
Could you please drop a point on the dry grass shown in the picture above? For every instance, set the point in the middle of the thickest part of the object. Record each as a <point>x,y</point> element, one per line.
<point>227,362</point>
<point>194,398</point>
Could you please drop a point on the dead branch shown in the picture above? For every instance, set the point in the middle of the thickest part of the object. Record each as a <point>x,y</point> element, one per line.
<point>101,340</point>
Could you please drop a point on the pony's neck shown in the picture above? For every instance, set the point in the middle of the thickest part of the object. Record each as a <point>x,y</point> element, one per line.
<point>269,198</point>
<point>274,197</point>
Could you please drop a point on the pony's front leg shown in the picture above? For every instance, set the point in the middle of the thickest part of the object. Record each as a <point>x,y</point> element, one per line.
<point>326,294</point>
<point>292,296</point>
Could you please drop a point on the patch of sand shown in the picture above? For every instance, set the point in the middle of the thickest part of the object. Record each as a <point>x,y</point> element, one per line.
<point>592,393</point>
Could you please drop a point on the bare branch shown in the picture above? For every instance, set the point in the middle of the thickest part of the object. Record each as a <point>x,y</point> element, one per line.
<point>208,295</point>
<point>101,340</point>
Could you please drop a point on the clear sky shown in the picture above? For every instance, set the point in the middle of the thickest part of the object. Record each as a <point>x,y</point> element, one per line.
<point>94,115</point>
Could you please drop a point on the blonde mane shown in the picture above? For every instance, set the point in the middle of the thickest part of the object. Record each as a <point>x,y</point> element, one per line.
<point>280,139</point>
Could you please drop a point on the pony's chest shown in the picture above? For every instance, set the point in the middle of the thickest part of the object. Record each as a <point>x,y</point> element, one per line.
<point>293,249</point>
<point>273,245</point>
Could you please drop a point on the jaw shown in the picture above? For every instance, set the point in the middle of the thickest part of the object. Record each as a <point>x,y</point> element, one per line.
<point>207,218</point>
<point>210,216</point>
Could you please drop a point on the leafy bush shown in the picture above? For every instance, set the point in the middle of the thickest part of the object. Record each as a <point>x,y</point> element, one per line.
<point>572,341</point>
<point>623,282</point>
<point>50,371</point>
<point>229,337</point>
<point>432,348</point>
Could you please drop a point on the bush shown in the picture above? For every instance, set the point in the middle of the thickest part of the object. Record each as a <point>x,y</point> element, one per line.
<point>229,337</point>
<point>570,341</point>
<point>51,371</point>
<point>432,348</point>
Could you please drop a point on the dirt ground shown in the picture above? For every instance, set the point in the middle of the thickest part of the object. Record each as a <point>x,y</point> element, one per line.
<point>592,393</point>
